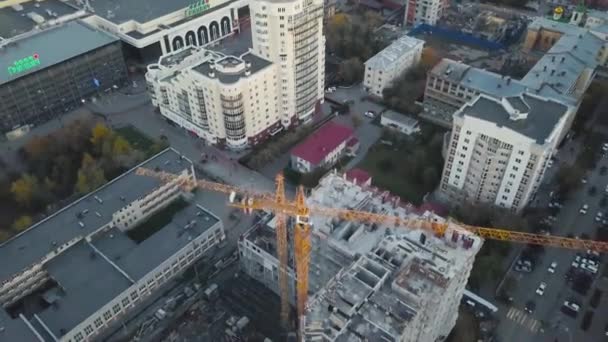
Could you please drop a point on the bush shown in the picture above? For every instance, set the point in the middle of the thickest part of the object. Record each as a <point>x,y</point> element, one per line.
<point>386,165</point>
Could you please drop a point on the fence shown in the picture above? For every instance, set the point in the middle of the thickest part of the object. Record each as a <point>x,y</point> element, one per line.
<point>455,35</point>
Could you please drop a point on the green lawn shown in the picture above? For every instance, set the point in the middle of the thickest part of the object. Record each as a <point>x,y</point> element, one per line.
<point>136,138</point>
<point>408,167</point>
<point>142,142</point>
<point>157,221</point>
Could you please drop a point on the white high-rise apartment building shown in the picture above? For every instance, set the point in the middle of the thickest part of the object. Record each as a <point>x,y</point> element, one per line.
<point>226,100</point>
<point>499,149</point>
<point>290,34</point>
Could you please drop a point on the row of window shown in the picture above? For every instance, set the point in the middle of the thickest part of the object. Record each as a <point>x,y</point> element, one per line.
<point>145,289</point>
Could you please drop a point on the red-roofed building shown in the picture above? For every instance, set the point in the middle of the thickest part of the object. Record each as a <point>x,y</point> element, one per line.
<point>321,149</point>
<point>359,177</point>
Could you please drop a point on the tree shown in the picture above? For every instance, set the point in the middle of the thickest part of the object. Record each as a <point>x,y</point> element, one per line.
<point>100,133</point>
<point>429,58</point>
<point>24,189</point>
<point>121,146</point>
<point>568,179</point>
<point>22,223</point>
<point>90,175</point>
<point>351,70</point>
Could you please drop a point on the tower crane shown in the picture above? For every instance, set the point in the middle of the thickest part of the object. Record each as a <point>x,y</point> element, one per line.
<point>298,208</point>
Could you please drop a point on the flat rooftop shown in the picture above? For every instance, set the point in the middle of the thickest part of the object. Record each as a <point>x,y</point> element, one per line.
<point>228,76</point>
<point>121,11</point>
<point>482,80</point>
<point>543,115</point>
<point>386,58</point>
<point>44,45</point>
<point>84,269</point>
<point>15,21</point>
<point>31,245</point>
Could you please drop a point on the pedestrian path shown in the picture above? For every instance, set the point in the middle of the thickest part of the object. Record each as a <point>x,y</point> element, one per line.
<point>522,318</point>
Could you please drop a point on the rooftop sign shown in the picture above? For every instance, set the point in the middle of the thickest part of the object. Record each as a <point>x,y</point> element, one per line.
<point>197,7</point>
<point>24,64</point>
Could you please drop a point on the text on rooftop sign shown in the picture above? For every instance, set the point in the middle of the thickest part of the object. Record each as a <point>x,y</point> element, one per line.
<point>197,7</point>
<point>24,64</point>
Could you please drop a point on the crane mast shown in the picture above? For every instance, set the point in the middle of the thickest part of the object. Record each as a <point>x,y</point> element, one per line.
<point>281,207</point>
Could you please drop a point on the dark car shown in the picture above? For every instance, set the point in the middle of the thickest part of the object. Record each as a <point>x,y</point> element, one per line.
<point>530,306</point>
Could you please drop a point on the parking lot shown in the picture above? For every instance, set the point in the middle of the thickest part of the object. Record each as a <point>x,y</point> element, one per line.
<point>559,290</point>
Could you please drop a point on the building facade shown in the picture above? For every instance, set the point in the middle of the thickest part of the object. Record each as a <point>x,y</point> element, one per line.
<point>390,63</point>
<point>290,34</point>
<point>41,82</point>
<point>499,149</point>
<point>424,11</point>
<point>159,27</point>
<point>323,148</point>
<point>225,100</point>
<point>90,247</point>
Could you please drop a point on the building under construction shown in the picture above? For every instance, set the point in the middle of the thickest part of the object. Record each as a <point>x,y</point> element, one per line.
<point>367,281</point>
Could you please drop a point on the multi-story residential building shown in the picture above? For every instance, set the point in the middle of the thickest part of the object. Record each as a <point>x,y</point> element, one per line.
<point>370,282</point>
<point>226,100</point>
<point>290,34</point>
<point>323,148</point>
<point>390,63</point>
<point>93,265</point>
<point>499,149</point>
<point>424,11</point>
<point>39,81</point>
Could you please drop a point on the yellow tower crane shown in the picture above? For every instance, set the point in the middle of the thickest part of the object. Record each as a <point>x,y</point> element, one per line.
<point>281,207</point>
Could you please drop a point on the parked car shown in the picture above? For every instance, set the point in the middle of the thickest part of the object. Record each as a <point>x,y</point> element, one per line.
<point>589,268</point>
<point>541,288</point>
<point>530,306</point>
<point>598,217</point>
<point>570,304</point>
<point>552,267</point>
<point>370,114</point>
<point>584,209</point>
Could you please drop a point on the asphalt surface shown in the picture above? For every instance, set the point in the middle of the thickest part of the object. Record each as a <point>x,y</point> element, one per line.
<point>547,322</point>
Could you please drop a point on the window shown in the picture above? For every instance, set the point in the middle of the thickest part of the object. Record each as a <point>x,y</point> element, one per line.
<point>125,301</point>
<point>98,323</point>
<point>107,315</point>
<point>134,295</point>
<point>78,337</point>
<point>88,330</point>
<point>116,308</point>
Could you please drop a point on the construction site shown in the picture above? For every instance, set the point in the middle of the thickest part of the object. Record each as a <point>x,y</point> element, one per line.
<point>355,262</point>
<point>367,281</point>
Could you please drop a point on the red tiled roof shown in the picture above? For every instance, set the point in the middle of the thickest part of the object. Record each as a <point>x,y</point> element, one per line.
<point>322,142</point>
<point>357,175</point>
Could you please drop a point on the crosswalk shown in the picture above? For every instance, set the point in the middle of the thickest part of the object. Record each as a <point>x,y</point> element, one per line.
<point>522,318</point>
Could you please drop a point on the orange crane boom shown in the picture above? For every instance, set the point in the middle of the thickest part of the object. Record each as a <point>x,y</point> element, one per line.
<point>278,204</point>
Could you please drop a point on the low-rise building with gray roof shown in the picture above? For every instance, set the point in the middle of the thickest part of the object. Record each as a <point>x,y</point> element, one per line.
<point>390,63</point>
<point>103,245</point>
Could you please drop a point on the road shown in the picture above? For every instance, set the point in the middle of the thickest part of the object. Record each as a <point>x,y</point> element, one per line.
<point>547,322</point>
